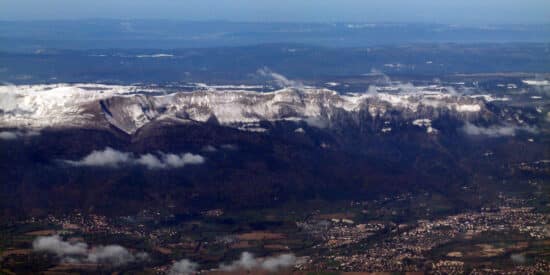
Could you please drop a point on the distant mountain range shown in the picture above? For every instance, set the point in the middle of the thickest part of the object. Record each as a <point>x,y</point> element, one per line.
<point>239,65</point>
<point>128,108</point>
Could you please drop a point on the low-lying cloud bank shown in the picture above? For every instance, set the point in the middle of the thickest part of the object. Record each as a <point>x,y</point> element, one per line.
<point>79,252</point>
<point>249,262</point>
<point>183,267</point>
<point>496,131</point>
<point>10,135</point>
<point>246,262</point>
<point>110,157</point>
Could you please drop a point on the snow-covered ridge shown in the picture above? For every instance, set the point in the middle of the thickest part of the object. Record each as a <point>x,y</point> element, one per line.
<point>533,82</point>
<point>37,106</point>
<point>131,107</point>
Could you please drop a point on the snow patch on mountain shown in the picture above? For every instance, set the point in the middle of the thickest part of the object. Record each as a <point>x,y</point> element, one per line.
<point>39,106</point>
<point>425,123</point>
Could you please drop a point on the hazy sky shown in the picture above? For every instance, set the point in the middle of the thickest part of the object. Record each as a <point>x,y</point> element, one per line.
<point>441,11</point>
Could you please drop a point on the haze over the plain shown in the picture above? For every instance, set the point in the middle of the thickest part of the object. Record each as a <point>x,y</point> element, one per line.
<point>432,11</point>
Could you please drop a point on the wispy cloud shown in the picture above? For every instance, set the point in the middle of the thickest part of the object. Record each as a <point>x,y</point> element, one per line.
<point>183,267</point>
<point>79,252</point>
<point>230,147</point>
<point>317,122</point>
<point>7,135</point>
<point>209,149</point>
<point>248,261</point>
<point>496,130</point>
<point>110,157</point>
<point>279,79</point>
<point>10,135</point>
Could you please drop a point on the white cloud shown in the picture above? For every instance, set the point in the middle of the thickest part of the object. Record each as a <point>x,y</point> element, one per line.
<point>54,244</point>
<point>9,135</point>
<point>183,267</point>
<point>112,158</point>
<point>247,261</point>
<point>173,160</point>
<point>77,252</point>
<point>150,161</point>
<point>113,254</point>
<point>496,130</point>
<point>169,160</point>
<point>279,262</point>
<point>108,157</point>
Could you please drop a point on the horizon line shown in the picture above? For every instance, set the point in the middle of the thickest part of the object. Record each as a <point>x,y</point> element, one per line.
<point>427,22</point>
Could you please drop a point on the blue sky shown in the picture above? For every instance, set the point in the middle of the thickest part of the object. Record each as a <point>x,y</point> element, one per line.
<point>438,11</point>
